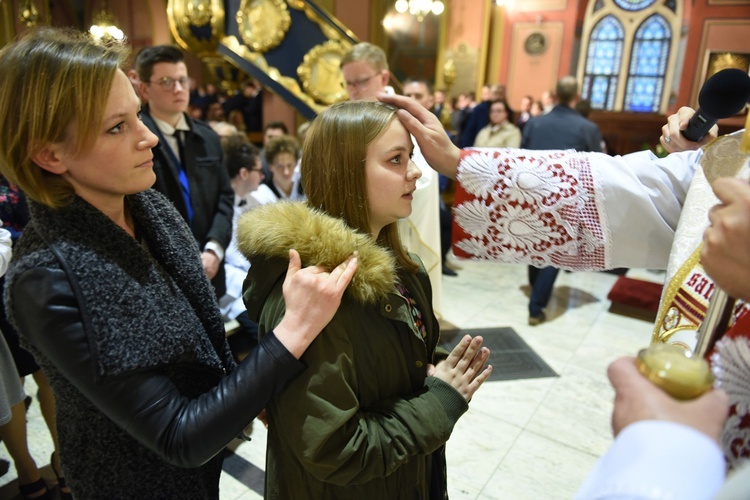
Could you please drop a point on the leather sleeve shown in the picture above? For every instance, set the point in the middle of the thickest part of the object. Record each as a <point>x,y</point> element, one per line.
<point>184,432</point>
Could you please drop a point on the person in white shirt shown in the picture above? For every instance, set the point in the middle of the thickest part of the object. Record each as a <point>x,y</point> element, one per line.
<point>242,162</point>
<point>281,155</point>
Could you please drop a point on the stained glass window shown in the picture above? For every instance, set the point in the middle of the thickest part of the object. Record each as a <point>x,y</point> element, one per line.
<point>603,63</point>
<point>648,65</point>
<point>634,4</point>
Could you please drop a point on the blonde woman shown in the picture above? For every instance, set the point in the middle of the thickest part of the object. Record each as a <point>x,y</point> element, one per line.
<point>107,289</point>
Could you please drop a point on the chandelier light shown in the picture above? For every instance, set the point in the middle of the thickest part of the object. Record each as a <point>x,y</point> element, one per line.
<point>420,8</point>
<point>28,14</point>
<point>104,27</point>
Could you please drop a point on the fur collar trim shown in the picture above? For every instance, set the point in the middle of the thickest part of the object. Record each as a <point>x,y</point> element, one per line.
<point>272,230</point>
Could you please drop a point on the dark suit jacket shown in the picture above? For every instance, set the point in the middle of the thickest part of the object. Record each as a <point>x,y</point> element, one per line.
<point>476,121</point>
<point>561,128</point>
<point>210,191</point>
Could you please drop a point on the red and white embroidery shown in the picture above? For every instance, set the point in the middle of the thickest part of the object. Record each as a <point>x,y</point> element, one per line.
<point>730,363</point>
<point>529,205</point>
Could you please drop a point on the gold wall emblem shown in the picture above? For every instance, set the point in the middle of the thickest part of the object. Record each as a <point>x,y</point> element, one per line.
<point>263,23</point>
<point>320,74</point>
<point>199,12</point>
<point>208,15</point>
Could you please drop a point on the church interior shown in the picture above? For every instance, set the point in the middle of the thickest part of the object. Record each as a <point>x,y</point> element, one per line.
<point>537,427</point>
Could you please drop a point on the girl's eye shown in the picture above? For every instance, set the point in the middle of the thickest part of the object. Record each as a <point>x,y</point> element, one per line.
<point>396,159</point>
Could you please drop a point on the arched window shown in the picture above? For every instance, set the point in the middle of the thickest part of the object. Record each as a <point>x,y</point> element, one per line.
<point>648,65</point>
<point>634,4</point>
<point>603,63</point>
<point>629,49</point>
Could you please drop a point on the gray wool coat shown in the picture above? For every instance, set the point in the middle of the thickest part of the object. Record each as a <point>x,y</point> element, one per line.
<point>131,339</point>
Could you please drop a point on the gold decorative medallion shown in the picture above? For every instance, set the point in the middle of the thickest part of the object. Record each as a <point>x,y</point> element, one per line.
<point>186,15</point>
<point>320,74</point>
<point>199,12</point>
<point>263,23</point>
<point>258,60</point>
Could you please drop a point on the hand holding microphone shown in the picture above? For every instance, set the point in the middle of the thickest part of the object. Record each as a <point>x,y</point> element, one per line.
<point>723,95</point>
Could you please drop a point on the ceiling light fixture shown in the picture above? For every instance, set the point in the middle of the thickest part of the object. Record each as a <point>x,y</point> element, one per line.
<point>104,27</point>
<point>420,8</point>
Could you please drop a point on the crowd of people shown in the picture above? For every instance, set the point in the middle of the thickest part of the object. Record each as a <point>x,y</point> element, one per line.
<point>140,224</point>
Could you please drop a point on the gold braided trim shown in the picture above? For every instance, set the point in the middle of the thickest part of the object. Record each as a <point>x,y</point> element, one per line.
<point>673,287</point>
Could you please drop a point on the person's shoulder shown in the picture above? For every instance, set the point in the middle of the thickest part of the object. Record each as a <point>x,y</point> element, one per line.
<point>206,132</point>
<point>511,126</point>
<point>147,119</point>
<point>263,195</point>
<point>201,127</point>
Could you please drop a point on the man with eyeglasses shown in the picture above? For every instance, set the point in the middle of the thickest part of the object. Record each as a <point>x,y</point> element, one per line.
<point>365,71</point>
<point>188,159</point>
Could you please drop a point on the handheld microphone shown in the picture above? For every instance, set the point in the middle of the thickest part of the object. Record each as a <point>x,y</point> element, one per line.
<point>723,95</point>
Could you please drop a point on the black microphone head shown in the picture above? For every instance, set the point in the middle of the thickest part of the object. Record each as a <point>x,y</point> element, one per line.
<point>725,93</point>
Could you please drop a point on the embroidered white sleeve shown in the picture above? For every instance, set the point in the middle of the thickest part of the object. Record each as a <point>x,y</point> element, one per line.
<point>535,207</point>
<point>730,363</point>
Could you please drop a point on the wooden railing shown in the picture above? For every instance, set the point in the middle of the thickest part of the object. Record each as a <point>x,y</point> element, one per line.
<point>629,132</point>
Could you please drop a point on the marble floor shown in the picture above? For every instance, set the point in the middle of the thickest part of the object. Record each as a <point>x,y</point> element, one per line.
<point>521,439</point>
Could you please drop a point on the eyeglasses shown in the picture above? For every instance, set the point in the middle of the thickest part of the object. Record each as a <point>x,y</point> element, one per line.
<point>360,83</point>
<point>168,83</point>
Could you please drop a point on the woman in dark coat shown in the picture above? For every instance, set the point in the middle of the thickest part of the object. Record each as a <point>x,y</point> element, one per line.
<point>107,291</point>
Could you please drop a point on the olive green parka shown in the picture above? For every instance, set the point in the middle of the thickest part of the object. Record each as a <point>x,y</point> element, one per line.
<point>363,420</point>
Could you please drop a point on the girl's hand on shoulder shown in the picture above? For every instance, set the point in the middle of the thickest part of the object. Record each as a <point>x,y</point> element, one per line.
<point>464,368</point>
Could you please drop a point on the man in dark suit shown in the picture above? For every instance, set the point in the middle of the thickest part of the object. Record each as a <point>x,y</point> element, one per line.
<point>562,128</point>
<point>188,159</point>
<point>480,115</point>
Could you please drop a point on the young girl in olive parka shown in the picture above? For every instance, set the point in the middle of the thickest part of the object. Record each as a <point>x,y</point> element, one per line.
<point>370,415</point>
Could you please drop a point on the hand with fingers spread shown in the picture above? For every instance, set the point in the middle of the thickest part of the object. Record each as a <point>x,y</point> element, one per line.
<point>671,133</point>
<point>725,255</point>
<point>312,296</point>
<point>437,148</point>
<point>464,368</point>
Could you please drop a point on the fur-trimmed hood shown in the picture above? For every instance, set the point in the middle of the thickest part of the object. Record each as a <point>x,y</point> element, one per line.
<point>270,231</point>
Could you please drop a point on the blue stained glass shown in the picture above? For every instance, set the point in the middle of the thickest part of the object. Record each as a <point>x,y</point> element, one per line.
<point>602,61</point>
<point>633,5</point>
<point>648,65</point>
<point>585,88</point>
<point>598,5</point>
<point>643,94</point>
<point>612,92</point>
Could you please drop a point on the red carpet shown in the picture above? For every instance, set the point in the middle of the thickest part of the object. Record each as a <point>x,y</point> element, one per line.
<point>635,298</point>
